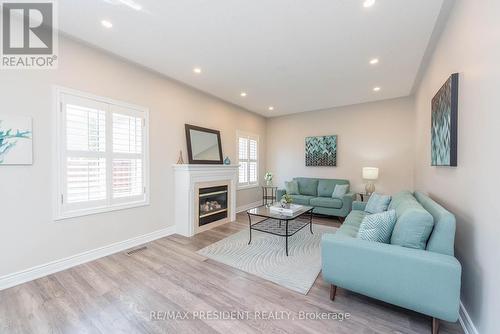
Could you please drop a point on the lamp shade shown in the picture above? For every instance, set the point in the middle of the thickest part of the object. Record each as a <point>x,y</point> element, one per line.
<point>370,173</point>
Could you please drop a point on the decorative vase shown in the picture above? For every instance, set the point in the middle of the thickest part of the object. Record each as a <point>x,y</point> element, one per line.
<point>180,161</point>
<point>285,205</point>
<point>227,161</point>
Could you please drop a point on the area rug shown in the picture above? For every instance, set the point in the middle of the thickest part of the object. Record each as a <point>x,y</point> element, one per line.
<point>265,256</point>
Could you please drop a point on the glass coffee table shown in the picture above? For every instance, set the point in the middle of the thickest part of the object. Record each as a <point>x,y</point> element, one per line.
<point>279,224</point>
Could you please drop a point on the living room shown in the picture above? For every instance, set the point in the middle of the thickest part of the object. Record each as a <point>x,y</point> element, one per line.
<point>237,166</point>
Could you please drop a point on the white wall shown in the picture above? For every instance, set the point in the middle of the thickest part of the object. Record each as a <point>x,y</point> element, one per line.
<point>470,45</point>
<point>28,235</point>
<point>379,134</point>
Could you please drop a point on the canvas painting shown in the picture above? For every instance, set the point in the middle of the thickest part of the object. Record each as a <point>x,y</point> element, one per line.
<point>444,126</point>
<point>321,151</point>
<point>16,140</point>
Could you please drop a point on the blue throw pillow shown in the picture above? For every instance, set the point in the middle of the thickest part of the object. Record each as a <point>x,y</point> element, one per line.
<point>340,190</point>
<point>292,187</point>
<point>378,227</point>
<point>377,203</point>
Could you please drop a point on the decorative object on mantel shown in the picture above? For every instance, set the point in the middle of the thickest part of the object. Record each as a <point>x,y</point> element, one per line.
<point>269,178</point>
<point>321,151</point>
<point>370,174</point>
<point>227,161</point>
<point>204,145</point>
<point>16,140</point>
<point>444,124</point>
<point>180,161</point>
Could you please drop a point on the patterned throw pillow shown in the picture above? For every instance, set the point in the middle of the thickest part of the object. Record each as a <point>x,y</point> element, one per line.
<point>340,190</point>
<point>292,187</point>
<point>377,203</point>
<point>378,227</point>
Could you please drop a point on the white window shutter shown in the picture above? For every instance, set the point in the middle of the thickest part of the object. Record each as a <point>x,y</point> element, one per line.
<point>102,155</point>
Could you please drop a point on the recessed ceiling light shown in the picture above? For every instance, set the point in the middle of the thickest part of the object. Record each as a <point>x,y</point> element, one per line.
<point>376,89</point>
<point>197,70</point>
<point>243,94</point>
<point>132,4</point>
<point>374,61</point>
<point>106,24</point>
<point>271,108</point>
<point>368,3</point>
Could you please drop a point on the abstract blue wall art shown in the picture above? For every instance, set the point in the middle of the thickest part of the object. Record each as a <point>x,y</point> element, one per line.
<point>321,151</point>
<point>16,140</point>
<point>444,127</point>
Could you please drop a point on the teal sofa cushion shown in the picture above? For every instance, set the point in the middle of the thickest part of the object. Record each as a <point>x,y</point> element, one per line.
<point>292,187</point>
<point>378,227</point>
<point>326,187</point>
<point>351,225</point>
<point>307,186</point>
<point>442,239</point>
<point>414,224</point>
<point>377,203</point>
<point>301,199</point>
<point>327,202</point>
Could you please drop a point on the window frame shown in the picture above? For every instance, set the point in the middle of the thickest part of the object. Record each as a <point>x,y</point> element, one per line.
<point>248,136</point>
<point>60,211</point>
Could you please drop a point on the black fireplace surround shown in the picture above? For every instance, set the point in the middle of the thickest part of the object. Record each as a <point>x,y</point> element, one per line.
<point>213,204</point>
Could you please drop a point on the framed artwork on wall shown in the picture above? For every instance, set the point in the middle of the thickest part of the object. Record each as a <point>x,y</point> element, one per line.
<point>444,124</point>
<point>16,140</point>
<point>321,151</point>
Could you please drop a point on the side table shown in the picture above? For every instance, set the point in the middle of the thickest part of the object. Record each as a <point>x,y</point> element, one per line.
<point>363,196</point>
<point>269,194</point>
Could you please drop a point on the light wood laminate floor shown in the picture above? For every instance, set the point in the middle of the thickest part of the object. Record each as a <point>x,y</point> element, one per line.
<point>117,293</point>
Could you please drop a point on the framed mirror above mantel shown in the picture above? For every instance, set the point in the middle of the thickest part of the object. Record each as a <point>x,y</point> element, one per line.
<point>203,145</point>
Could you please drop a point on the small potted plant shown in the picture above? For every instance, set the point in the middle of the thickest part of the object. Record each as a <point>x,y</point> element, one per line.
<point>269,178</point>
<point>286,200</point>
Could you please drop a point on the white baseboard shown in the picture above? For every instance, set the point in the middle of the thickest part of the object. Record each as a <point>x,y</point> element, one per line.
<point>466,321</point>
<point>30,274</point>
<point>248,206</point>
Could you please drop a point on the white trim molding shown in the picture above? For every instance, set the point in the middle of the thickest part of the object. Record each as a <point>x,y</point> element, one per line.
<point>466,321</point>
<point>31,274</point>
<point>248,206</point>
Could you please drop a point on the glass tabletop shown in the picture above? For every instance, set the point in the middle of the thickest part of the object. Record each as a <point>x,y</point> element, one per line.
<point>265,211</point>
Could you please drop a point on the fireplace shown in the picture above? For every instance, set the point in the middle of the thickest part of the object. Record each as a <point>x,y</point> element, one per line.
<point>195,185</point>
<point>212,204</point>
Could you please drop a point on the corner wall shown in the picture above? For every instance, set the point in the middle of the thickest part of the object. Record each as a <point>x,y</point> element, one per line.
<point>29,236</point>
<point>469,45</point>
<point>378,134</point>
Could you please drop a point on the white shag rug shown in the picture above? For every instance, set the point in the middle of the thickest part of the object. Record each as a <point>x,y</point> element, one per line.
<point>265,256</point>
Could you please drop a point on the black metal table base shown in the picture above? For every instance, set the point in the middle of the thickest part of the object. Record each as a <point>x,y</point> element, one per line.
<point>281,227</point>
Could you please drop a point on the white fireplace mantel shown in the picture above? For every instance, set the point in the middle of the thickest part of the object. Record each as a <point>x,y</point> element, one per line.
<point>187,178</point>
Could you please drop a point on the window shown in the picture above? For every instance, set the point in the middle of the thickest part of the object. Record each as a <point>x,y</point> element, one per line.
<point>248,146</point>
<point>102,155</point>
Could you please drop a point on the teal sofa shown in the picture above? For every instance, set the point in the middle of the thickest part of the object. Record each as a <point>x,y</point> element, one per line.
<point>318,193</point>
<point>423,280</point>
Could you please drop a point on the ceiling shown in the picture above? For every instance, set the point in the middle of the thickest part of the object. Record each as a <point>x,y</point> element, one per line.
<point>294,55</point>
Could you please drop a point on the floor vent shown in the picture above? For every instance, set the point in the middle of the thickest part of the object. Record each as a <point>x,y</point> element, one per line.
<point>136,250</point>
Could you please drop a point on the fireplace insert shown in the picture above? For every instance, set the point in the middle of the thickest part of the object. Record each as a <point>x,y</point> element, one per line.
<point>213,204</point>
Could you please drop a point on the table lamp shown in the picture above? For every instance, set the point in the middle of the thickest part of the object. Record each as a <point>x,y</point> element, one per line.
<point>370,174</point>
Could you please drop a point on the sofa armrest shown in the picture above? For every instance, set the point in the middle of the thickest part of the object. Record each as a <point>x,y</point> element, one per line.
<point>347,200</point>
<point>419,280</point>
<point>280,193</point>
<point>357,205</point>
